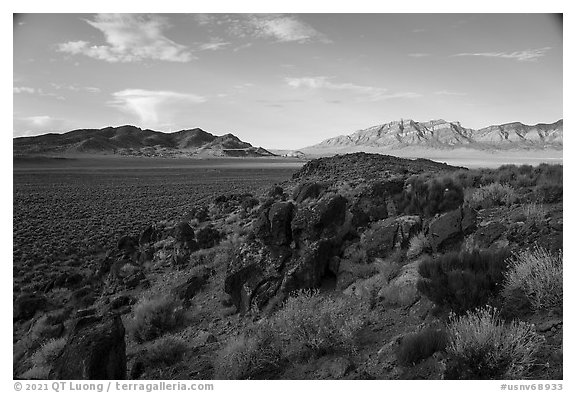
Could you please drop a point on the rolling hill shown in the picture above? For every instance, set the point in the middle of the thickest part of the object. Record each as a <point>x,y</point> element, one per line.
<point>131,140</point>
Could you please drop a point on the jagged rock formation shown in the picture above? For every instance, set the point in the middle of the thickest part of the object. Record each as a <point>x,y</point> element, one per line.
<point>441,134</point>
<point>131,140</point>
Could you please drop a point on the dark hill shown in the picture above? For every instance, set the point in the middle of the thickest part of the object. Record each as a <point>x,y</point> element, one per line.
<point>131,140</point>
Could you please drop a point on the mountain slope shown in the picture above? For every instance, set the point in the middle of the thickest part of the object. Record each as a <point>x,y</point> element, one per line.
<point>131,140</point>
<point>441,134</point>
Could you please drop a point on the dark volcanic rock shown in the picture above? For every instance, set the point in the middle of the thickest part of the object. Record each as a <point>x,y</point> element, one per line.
<point>127,244</point>
<point>254,266</point>
<point>26,306</point>
<point>307,190</point>
<point>208,237</point>
<point>451,227</point>
<point>363,166</point>
<point>193,284</point>
<point>387,235</point>
<point>321,220</point>
<point>183,233</point>
<point>95,349</point>
<point>485,236</point>
<point>148,235</point>
<point>273,224</point>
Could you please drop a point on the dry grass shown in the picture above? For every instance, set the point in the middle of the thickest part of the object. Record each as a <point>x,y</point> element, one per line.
<point>418,244</point>
<point>308,325</point>
<point>482,346</point>
<point>491,195</point>
<point>153,317</point>
<point>537,274</point>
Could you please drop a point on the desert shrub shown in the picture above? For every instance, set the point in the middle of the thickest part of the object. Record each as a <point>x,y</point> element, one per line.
<point>310,324</point>
<point>418,244</point>
<point>552,174</point>
<point>549,193</point>
<point>247,356</point>
<point>491,195</point>
<point>43,359</point>
<point>428,196</point>
<point>418,346</point>
<point>482,346</point>
<point>462,281</point>
<point>154,317</point>
<point>165,351</point>
<point>537,275</point>
<point>534,212</point>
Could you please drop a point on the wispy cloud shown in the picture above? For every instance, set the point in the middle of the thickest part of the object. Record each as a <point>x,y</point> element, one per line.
<point>524,55</point>
<point>418,55</point>
<point>277,27</point>
<point>76,88</point>
<point>213,45</point>
<point>366,93</point>
<point>35,91</point>
<point>449,93</point>
<point>153,107</point>
<point>23,90</point>
<point>130,38</point>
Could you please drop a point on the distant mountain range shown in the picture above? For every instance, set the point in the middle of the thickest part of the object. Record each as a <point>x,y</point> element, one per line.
<point>133,141</point>
<point>442,135</point>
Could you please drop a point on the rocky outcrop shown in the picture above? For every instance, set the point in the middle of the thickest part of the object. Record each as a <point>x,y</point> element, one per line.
<point>291,250</point>
<point>402,291</point>
<point>95,349</point>
<point>384,236</point>
<point>451,227</point>
<point>193,284</point>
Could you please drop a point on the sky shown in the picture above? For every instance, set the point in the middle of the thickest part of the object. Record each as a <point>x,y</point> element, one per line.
<point>283,81</point>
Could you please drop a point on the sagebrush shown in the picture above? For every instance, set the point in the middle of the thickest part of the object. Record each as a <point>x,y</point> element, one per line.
<point>537,275</point>
<point>482,346</point>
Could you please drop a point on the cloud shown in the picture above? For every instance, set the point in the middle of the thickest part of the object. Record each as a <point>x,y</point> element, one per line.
<point>36,91</point>
<point>75,88</point>
<point>39,124</point>
<point>276,27</point>
<point>130,38</point>
<point>23,89</point>
<point>448,93</point>
<point>525,55</point>
<point>418,55</point>
<point>153,107</point>
<point>366,93</point>
<point>213,45</point>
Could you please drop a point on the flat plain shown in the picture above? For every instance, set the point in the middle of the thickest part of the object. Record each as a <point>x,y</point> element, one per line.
<point>71,210</point>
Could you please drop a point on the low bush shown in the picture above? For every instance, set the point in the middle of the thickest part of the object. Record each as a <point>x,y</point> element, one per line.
<point>155,317</point>
<point>416,347</point>
<point>492,195</point>
<point>534,212</point>
<point>308,325</point>
<point>43,359</point>
<point>549,193</point>
<point>418,244</point>
<point>537,276</point>
<point>252,355</point>
<point>462,281</point>
<point>165,351</point>
<point>482,346</point>
<point>428,196</point>
<point>311,324</point>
